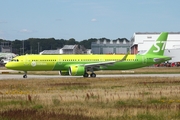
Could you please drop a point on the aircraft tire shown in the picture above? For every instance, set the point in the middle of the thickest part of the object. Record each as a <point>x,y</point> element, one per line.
<point>93,75</point>
<point>86,75</point>
<point>24,76</point>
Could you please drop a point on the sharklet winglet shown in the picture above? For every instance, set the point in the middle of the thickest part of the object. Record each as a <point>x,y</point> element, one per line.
<point>124,58</point>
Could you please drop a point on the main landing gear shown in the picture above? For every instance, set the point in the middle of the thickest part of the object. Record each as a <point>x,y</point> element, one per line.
<point>25,74</point>
<point>91,75</point>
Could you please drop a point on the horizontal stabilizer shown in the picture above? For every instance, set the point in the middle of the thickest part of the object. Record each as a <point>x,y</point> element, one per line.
<point>162,59</point>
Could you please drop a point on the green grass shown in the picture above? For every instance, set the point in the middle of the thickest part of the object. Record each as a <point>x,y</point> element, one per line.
<point>126,98</point>
<point>145,70</point>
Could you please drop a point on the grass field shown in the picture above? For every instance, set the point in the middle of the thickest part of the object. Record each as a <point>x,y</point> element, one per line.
<point>146,70</point>
<point>126,98</point>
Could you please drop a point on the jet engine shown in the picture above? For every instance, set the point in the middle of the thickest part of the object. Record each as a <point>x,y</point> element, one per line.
<point>76,70</point>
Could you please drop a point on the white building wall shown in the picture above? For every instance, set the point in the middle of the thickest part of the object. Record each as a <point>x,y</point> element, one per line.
<point>145,41</point>
<point>174,53</point>
<point>60,51</point>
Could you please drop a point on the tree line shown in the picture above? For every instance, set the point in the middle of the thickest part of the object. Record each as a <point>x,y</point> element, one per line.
<point>36,45</point>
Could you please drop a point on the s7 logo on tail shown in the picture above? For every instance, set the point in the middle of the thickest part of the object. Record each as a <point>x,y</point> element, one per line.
<point>159,47</point>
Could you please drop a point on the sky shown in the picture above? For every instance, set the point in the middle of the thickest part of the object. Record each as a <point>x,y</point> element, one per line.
<point>85,19</point>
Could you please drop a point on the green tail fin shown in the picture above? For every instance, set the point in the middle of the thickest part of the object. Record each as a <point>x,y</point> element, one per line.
<point>159,46</point>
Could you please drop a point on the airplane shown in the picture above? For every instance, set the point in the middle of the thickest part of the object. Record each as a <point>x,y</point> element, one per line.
<point>80,65</point>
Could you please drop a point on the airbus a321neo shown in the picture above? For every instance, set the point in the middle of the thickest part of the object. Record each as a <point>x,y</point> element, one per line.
<point>81,65</point>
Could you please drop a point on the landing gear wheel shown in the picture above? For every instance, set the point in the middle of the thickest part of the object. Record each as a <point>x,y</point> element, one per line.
<point>24,76</point>
<point>93,75</point>
<point>85,75</point>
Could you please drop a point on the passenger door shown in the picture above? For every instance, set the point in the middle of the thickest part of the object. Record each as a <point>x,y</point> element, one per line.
<point>144,59</point>
<point>26,61</point>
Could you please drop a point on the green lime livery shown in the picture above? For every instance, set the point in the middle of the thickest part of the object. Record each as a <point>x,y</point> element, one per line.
<point>80,65</point>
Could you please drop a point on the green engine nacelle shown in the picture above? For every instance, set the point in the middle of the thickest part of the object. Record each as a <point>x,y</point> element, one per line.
<point>64,72</point>
<point>76,70</point>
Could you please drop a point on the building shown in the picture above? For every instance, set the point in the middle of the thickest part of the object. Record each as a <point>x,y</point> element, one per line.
<point>67,49</point>
<point>73,49</point>
<point>50,52</point>
<point>119,46</point>
<point>88,51</point>
<point>5,47</point>
<point>142,41</point>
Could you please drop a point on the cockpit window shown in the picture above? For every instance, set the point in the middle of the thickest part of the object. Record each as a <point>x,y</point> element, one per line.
<point>15,60</point>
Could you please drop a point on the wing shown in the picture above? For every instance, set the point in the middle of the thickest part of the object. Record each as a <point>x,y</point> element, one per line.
<point>103,64</point>
<point>99,64</point>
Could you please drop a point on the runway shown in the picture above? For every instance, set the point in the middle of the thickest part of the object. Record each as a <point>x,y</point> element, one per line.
<point>20,76</point>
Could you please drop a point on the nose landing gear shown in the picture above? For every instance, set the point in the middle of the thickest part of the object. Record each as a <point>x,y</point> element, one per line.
<point>25,74</point>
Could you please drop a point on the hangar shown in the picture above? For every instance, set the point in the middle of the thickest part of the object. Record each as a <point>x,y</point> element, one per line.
<point>142,41</point>
<point>118,46</point>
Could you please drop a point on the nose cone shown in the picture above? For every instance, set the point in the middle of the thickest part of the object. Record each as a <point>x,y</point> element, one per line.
<point>8,66</point>
<point>11,66</point>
